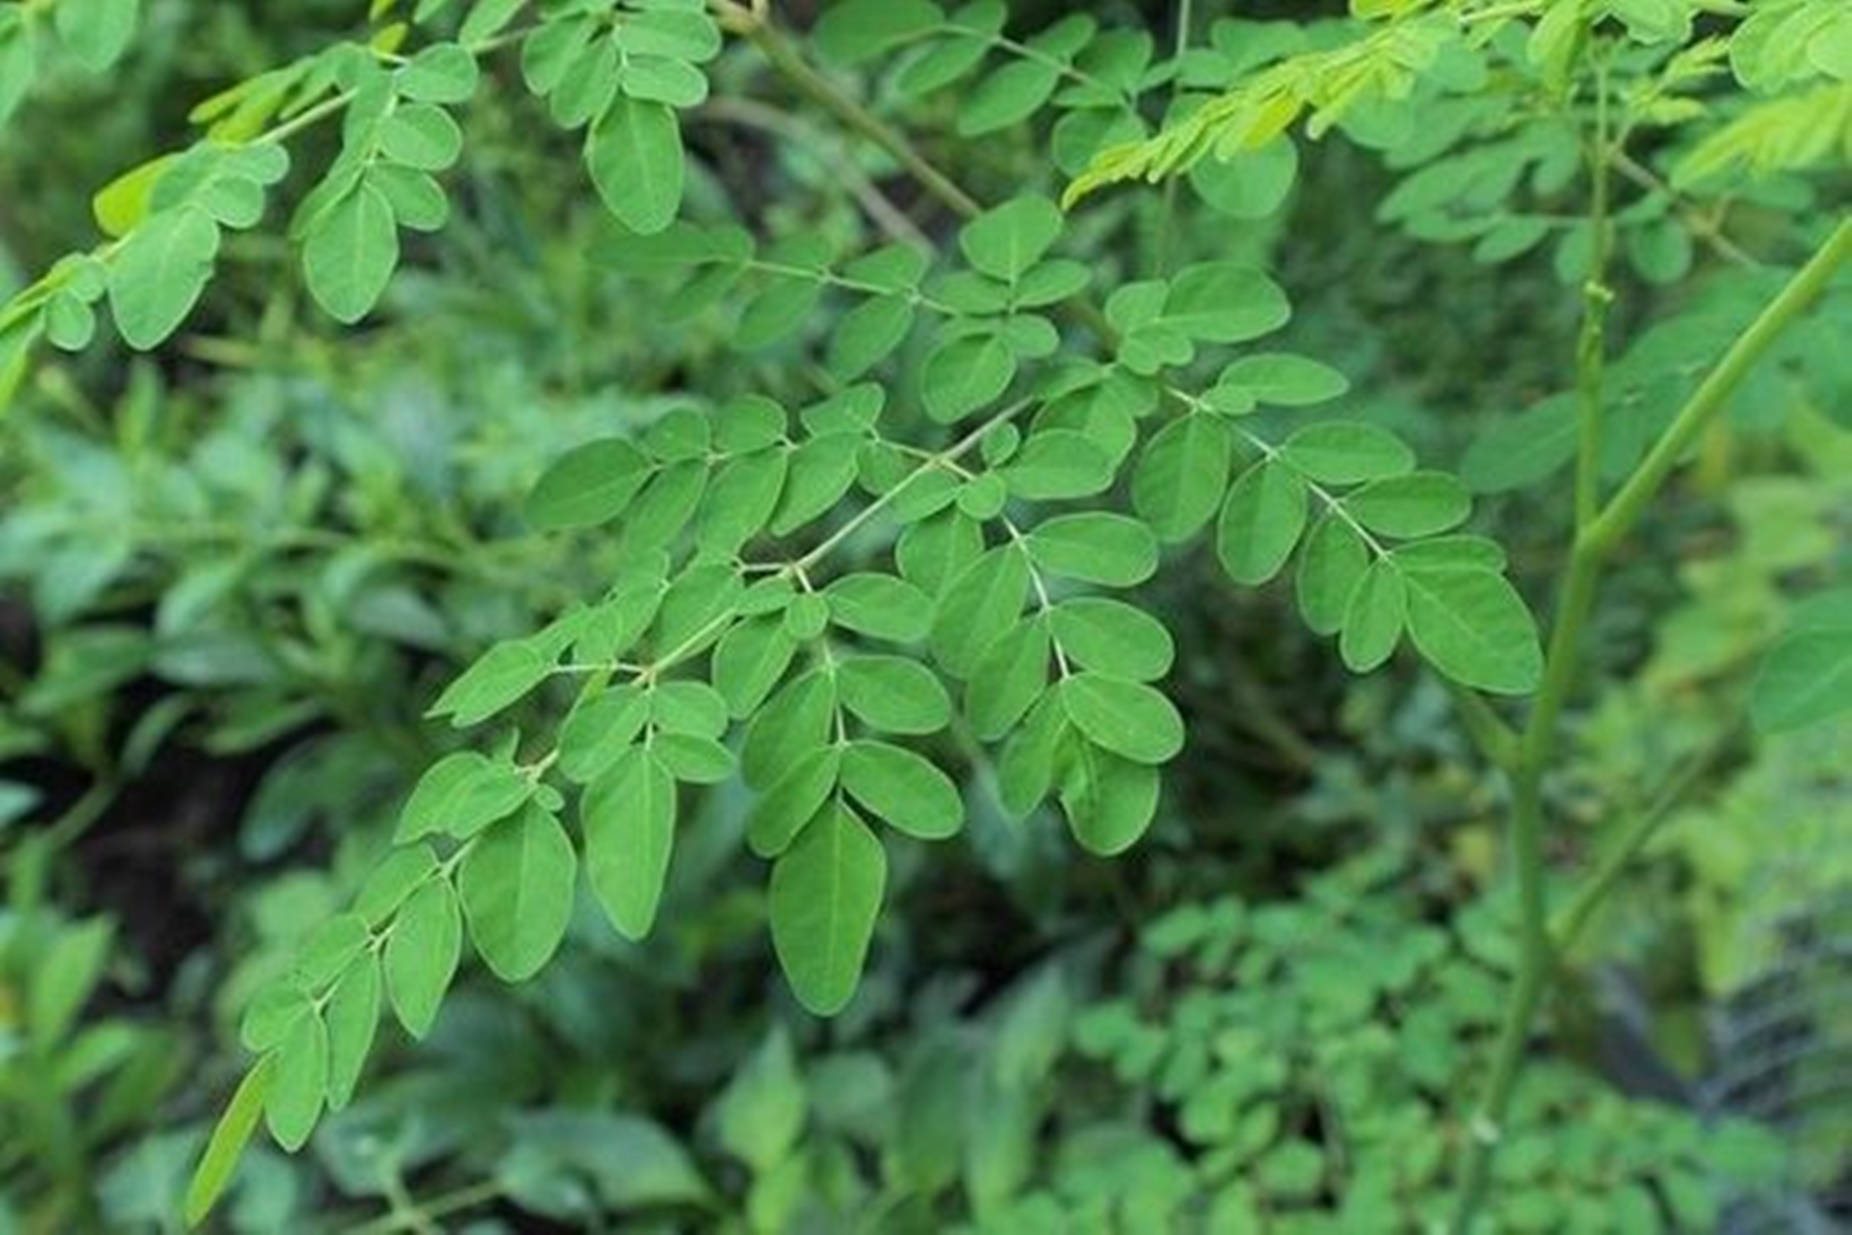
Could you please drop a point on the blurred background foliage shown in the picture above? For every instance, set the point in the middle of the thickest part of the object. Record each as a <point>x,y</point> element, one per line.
<point>235,572</point>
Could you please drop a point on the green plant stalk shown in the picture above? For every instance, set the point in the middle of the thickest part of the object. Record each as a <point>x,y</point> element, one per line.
<point>1591,343</point>
<point>1592,546</point>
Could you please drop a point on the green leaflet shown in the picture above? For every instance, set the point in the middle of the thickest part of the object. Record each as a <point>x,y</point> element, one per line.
<point>788,807</point>
<point>497,679</point>
<point>421,956</point>
<point>1261,521</point>
<point>1251,184</point>
<point>1112,637</point>
<point>1418,504</point>
<point>157,277</point>
<point>892,694</point>
<point>227,1144</point>
<point>979,605</point>
<point>902,788</point>
<point>965,374</point>
<point>859,30</point>
<point>1058,463</point>
<point>1373,617</point>
<point>459,795</point>
<point>1182,476</point>
<point>749,662</point>
<point>761,1113</point>
<point>588,485</point>
<point>880,606</point>
<point>599,729</point>
<point>1026,767</point>
<point>1283,379</point>
<point>516,887</point>
<point>1473,627</point>
<point>796,720</point>
<point>1006,240</point>
<point>1125,717</point>
<point>1008,679</point>
<point>1333,561</point>
<point>1095,547</point>
<point>1109,801</point>
<point>353,1017</point>
<point>634,155</point>
<point>1342,452</point>
<point>299,1083</point>
<point>349,252</point>
<point>97,32</point>
<point>628,819</point>
<point>825,894</point>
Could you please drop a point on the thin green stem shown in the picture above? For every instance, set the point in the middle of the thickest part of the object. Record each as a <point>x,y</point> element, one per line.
<point>1591,344</point>
<point>1575,601</point>
<point>1169,206</point>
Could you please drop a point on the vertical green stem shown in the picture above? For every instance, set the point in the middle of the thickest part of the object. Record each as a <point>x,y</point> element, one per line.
<point>1591,345</point>
<point>1168,208</point>
<point>1592,546</point>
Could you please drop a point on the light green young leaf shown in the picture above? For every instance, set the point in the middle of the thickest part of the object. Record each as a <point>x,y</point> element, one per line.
<point>825,895</point>
<point>422,953</point>
<point>421,136</point>
<point>892,694</point>
<point>1261,522</point>
<point>1127,718</point>
<point>97,32</point>
<point>634,154</point>
<point>159,273</point>
<point>903,788</point>
<point>349,253</point>
<point>516,886</point>
<point>1095,547</point>
<point>229,1138</point>
<point>441,73</point>
<point>1252,183</point>
<point>1473,626</point>
<point>628,820</point>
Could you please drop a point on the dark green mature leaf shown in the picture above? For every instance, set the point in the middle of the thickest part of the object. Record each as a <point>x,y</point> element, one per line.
<point>903,788</point>
<point>516,886</point>
<point>794,722</point>
<point>1473,626</point>
<point>299,1084</point>
<point>1095,547</point>
<point>866,334</point>
<point>880,606</point>
<point>460,794</point>
<point>1010,94</point>
<point>965,374</point>
<point>421,955</point>
<point>353,1018</point>
<point>1224,302</point>
<point>1261,522</point>
<point>628,820</point>
<point>750,661</point>
<point>1283,379</point>
<point>1127,718</point>
<point>1058,463</point>
<point>1344,452</point>
<point>599,729</point>
<point>825,894</point>
<point>634,154</point>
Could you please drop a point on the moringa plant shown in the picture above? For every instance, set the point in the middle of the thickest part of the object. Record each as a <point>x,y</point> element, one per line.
<point>929,555</point>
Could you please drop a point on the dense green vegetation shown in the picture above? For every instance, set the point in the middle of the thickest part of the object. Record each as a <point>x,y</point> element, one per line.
<point>657,615</point>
